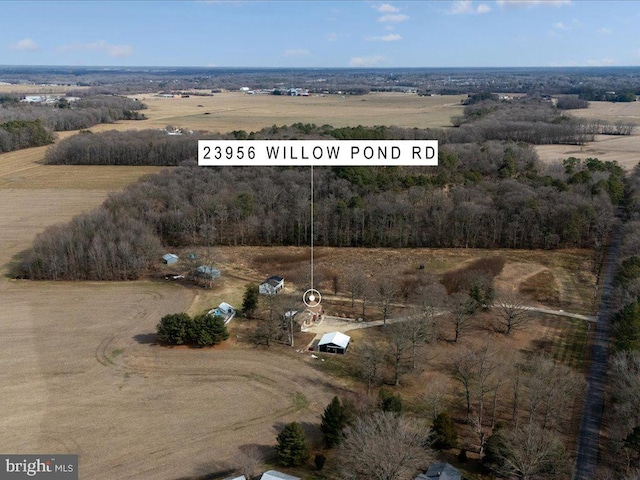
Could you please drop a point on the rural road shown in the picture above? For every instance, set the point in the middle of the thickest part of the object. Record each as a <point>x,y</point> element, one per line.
<point>589,437</point>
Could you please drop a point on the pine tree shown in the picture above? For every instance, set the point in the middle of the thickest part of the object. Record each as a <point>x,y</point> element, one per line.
<point>335,418</point>
<point>250,300</point>
<point>292,445</point>
<point>444,432</point>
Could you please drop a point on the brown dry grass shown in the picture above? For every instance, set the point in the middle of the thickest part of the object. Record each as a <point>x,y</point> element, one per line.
<point>38,89</point>
<point>242,265</point>
<point>238,111</point>
<point>623,149</point>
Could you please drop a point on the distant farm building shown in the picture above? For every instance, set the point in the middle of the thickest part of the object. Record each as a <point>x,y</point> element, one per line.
<point>209,273</point>
<point>170,258</point>
<point>275,475</point>
<point>334,342</point>
<point>271,285</point>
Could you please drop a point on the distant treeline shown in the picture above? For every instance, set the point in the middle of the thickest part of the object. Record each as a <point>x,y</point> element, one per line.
<point>141,147</point>
<point>482,195</point>
<point>17,134</point>
<point>532,120</point>
<point>61,116</point>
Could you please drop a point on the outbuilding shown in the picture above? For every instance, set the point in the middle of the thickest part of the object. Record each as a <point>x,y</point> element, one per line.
<point>207,272</point>
<point>223,310</point>
<point>170,258</point>
<point>275,475</point>
<point>334,342</point>
<point>271,285</point>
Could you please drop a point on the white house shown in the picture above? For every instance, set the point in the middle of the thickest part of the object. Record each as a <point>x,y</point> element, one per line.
<point>275,475</point>
<point>334,342</point>
<point>271,285</point>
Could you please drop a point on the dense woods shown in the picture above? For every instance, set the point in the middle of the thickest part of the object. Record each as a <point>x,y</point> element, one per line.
<point>30,125</point>
<point>482,195</point>
<point>16,134</point>
<point>144,147</point>
<point>623,402</point>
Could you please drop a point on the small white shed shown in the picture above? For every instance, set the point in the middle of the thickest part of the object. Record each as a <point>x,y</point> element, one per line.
<point>170,258</point>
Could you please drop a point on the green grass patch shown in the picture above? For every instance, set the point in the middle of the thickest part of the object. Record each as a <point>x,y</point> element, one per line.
<point>569,347</point>
<point>300,402</point>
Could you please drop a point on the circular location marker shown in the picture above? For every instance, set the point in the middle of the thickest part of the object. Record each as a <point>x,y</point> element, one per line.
<point>312,298</point>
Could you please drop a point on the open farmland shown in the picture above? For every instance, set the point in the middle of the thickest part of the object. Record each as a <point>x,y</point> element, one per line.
<point>79,374</point>
<point>623,149</point>
<point>229,111</point>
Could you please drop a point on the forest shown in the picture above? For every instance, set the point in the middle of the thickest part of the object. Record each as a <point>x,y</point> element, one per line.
<point>482,195</point>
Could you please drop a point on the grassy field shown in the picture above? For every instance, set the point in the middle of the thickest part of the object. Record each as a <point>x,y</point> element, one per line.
<point>229,111</point>
<point>623,149</point>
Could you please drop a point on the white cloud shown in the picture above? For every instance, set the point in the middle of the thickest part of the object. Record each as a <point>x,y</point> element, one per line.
<point>293,52</point>
<point>386,8</point>
<point>466,7</point>
<point>366,61</point>
<point>331,36</point>
<point>461,6</point>
<point>604,31</point>
<point>393,18</point>
<point>560,26</point>
<point>118,51</point>
<point>391,37</point>
<point>601,62</point>
<point>532,3</point>
<point>25,45</point>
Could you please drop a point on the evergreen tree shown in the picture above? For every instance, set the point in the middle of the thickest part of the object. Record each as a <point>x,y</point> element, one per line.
<point>627,328</point>
<point>173,328</point>
<point>389,402</point>
<point>250,300</point>
<point>292,445</point>
<point>444,432</point>
<point>335,418</point>
<point>209,330</point>
<point>495,448</point>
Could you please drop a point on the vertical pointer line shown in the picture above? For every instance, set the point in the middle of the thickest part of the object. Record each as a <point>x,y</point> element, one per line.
<point>312,226</point>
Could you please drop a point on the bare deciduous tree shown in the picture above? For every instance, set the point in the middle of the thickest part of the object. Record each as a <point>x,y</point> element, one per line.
<point>512,312</point>
<point>249,461</point>
<point>462,307</point>
<point>533,452</point>
<point>382,446</point>
<point>386,293</point>
<point>369,360</point>
<point>400,340</point>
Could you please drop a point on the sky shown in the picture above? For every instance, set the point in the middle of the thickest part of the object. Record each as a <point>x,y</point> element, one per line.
<point>321,33</point>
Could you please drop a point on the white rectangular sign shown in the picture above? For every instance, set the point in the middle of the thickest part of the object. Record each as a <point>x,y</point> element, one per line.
<point>282,153</point>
